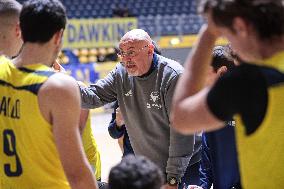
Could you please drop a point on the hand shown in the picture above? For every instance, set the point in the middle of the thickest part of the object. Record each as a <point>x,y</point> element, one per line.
<point>194,187</point>
<point>57,67</point>
<point>212,28</point>
<point>166,186</point>
<point>119,118</point>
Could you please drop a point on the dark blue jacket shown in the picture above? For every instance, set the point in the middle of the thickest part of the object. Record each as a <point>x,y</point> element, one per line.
<point>116,133</point>
<point>219,163</point>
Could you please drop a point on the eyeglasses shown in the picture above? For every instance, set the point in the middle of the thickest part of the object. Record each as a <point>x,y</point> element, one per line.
<point>130,53</point>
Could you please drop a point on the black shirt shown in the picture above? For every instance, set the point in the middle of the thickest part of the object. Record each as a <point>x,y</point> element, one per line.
<point>244,91</point>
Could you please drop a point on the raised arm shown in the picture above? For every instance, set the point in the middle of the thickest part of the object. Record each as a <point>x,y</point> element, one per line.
<point>190,112</point>
<point>60,95</point>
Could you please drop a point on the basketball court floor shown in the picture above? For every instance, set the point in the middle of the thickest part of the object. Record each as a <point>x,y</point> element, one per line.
<point>109,148</point>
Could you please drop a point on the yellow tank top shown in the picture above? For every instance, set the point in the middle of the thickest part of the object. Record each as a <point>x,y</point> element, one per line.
<point>91,149</point>
<point>29,158</point>
<point>261,154</point>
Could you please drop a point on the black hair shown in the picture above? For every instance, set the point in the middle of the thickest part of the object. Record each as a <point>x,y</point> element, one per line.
<point>267,16</point>
<point>222,56</point>
<point>41,19</point>
<point>135,172</point>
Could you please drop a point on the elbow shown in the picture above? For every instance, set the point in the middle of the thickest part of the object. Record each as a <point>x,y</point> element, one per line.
<point>113,135</point>
<point>81,177</point>
<point>74,178</point>
<point>112,132</point>
<point>178,122</point>
<point>178,126</point>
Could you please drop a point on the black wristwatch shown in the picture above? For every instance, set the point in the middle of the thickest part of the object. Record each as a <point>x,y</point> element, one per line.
<point>173,181</point>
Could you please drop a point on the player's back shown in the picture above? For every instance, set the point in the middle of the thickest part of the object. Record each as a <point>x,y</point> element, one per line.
<point>28,154</point>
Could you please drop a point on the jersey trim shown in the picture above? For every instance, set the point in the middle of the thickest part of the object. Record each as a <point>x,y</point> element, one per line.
<point>34,88</point>
<point>38,72</point>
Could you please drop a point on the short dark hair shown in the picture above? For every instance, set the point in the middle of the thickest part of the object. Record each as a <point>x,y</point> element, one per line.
<point>10,7</point>
<point>135,172</point>
<point>41,19</point>
<point>222,56</point>
<point>267,16</point>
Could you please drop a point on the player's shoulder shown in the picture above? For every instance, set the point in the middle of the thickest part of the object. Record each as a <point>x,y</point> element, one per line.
<point>60,82</point>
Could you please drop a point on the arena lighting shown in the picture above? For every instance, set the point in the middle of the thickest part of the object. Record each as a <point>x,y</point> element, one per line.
<point>175,41</point>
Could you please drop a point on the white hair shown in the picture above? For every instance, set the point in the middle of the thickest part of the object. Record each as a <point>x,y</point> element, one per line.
<point>136,35</point>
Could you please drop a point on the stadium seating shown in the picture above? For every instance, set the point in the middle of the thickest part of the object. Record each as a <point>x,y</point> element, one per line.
<point>157,17</point>
<point>170,24</point>
<point>103,8</point>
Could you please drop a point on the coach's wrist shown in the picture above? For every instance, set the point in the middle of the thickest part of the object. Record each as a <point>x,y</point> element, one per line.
<point>173,180</point>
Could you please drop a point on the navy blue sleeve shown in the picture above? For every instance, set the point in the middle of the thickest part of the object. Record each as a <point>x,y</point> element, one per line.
<point>114,131</point>
<point>205,170</point>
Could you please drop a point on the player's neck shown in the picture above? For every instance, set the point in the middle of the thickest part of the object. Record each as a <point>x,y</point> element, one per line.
<point>268,48</point>
<point>34,54</point>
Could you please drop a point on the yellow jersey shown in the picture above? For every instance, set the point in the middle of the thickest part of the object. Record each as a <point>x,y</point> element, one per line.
<point>261,154</point>
<point>91,149</point>
<point>28,154</point>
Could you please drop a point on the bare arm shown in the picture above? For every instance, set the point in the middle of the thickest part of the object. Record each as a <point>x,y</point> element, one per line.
<point>100,93</point>
<point>60,95</point>
<point>84,115</point>
<point>190,112</point>
<point>84,112</point>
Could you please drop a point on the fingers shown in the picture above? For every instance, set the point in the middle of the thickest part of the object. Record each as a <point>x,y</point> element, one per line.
<point>57,66</point>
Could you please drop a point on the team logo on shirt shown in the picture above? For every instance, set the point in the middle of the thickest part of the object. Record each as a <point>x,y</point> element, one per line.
<point>231,123</point>
<point>154,100</point>
<point>129,93</point>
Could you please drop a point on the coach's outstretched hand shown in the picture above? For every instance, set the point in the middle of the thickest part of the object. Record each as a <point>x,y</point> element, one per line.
<point>57,67</point>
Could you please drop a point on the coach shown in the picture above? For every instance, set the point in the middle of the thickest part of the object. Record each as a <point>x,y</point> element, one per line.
<point>143,83</point>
